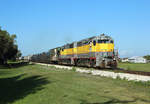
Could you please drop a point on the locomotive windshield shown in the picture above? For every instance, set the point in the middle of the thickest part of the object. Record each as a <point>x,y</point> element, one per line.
<point>105,41</point>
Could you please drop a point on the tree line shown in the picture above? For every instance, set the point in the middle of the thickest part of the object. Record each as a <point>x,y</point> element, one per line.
<point>8,47</point>
<point>147,57</point>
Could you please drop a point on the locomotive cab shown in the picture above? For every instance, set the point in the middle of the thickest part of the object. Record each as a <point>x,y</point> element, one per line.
<point>106,56</point>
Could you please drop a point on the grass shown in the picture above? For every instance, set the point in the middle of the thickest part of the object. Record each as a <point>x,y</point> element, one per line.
<point>135,66</point>
<point>12,62</point>
<point>35,84</point>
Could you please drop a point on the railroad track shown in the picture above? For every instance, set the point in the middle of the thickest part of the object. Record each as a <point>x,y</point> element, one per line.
<point>115,73</point>
<point>134,72</point>
<point>117,70</point>
<point>125,71</point>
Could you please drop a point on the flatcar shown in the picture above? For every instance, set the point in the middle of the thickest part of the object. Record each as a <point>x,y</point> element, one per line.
<point>97,51</point>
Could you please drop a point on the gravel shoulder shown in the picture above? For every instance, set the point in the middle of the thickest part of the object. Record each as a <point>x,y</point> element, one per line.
<point>114,75</point>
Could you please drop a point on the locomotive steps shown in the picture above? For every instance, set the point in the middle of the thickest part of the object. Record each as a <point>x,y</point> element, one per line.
<point>114,75</point>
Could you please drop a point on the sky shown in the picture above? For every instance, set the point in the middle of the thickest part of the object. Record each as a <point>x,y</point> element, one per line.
<point>41,25</point>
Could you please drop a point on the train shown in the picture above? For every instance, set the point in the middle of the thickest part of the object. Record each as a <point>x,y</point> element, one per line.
<point>97,51</point>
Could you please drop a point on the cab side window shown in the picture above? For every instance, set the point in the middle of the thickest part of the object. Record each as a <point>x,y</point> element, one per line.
<point>111,41</point>
<point>94,42</point>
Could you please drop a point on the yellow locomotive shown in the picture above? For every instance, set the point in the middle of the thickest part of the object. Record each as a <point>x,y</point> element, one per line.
<point>97,51</point>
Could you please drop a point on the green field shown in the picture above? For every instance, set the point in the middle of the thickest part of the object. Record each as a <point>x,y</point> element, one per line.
<point>135,66</point>
<point>35,84</point>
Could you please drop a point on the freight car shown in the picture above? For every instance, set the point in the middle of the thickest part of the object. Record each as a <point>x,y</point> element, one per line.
<point>97,51</point>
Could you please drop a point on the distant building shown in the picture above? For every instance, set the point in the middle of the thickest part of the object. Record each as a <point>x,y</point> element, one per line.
<point>124,60</point>
<point>137,59</point>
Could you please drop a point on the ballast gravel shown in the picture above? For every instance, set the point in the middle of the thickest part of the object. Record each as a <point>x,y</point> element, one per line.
<point>114,75</point>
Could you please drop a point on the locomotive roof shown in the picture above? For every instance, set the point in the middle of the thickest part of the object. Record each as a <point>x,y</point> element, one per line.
<point>101,37</point>
<point>104,37</point>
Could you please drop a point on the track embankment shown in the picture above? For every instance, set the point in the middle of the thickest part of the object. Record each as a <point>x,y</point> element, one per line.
<point>122,74</point>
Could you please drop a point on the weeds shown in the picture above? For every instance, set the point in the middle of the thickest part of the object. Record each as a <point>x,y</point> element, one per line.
<point>74,69</point>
